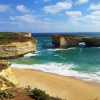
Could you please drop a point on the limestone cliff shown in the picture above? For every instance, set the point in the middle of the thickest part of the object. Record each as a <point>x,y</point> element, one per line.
<point>24,34</point>
<point>16,45</point>
<point>7,78</point>
<point>67,41</point>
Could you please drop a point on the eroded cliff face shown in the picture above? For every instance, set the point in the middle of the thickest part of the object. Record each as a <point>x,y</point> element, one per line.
<point>7,78</point>
<point>16,48</point>
<point>67,41</point>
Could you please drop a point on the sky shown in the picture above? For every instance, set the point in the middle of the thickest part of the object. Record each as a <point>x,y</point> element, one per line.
<point>38,16</point>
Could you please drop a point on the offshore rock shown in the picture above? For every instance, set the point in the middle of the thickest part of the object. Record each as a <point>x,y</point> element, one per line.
<point>13,45</point>
<point>7,78</point>
<point>67,41</point>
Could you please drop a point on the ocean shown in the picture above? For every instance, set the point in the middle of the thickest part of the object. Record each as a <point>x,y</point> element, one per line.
<point>79,62</point>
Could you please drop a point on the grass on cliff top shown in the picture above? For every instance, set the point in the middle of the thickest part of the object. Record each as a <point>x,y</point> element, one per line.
<point>9,37</point>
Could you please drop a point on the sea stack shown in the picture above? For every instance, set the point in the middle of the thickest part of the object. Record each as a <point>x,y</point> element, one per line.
<point>67,41</point>
<point>13,45</point>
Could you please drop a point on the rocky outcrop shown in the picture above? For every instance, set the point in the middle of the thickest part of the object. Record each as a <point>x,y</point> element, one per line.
<point>7,78</point>
<point>67,41</point>
<point>18,47</point>
<point>24,34</point>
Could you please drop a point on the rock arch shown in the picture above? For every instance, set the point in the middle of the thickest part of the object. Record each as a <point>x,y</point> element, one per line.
<point>81,44</point>
<point>67,41</point>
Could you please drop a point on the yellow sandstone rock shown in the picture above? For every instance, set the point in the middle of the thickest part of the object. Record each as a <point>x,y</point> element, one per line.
<point>17,47</point>
<point>7,77</point>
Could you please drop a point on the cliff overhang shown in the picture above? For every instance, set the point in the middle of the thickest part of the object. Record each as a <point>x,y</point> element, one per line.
<point>67,41</point>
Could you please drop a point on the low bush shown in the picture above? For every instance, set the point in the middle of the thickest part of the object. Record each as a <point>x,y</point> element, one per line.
<point>56,98</point>
<point>6,95</point>
<point>40,95</point>
<point>9,37</point>
<point>7,82</point>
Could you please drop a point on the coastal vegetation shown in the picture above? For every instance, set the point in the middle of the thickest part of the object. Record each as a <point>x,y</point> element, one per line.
<point>7,82</point>
<point>6,95</point>
<point>26,94</point>
<point>9,37</point>
<point>40,95</point>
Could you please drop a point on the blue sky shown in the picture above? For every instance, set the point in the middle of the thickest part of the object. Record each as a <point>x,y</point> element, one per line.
<point>50,15</point>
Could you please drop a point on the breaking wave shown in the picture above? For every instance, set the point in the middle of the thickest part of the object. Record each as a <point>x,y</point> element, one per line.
<point>61,69</point>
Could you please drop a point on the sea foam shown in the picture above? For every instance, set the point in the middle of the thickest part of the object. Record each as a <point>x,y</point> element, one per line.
<point>32,54</point>
<point>58,49</point>
<point>61,69</point>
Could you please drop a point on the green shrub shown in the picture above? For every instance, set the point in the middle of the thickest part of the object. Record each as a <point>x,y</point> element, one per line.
<point>40,95</point>
<point>7,82</point>
<point>6,95</point>
<point>9,37</point>
<point>56,98</point>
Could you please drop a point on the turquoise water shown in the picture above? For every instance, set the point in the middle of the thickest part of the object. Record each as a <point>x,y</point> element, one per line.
<point>79,62</point>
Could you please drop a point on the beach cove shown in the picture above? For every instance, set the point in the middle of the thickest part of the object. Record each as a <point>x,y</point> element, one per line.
<point>79,62</point>
<point>68,88</point>
<point>60,72</point>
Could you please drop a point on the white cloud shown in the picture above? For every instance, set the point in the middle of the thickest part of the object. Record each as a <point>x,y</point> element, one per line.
<point>89,18</point>
<point>53,9</point>
<point>94,7</point>
<point>96,13</point>
<point>46,0</point>
<point>73,13</point>
<point>94,16</point>
<point>23,9</point>
<point>76,16</point>
<point>41,23</point>
<point>81,1</point>
<point>47,25</point>
<point>26,18</point>
<point>4,8</point>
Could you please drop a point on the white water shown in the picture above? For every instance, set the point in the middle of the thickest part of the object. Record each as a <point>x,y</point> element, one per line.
<point>32,54</point>
<point>61,69</point>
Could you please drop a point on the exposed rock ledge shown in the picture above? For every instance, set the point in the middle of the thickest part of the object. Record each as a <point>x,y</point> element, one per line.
<point>18,44</point>
<point>67,41</point>
<point>7,78</point>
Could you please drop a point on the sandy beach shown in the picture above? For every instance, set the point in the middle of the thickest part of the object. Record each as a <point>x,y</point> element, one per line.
<point>68,88</point>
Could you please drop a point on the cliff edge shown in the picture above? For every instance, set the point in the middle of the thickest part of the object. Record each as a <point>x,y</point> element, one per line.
<point>7,78</point>
<point>14,45</point>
